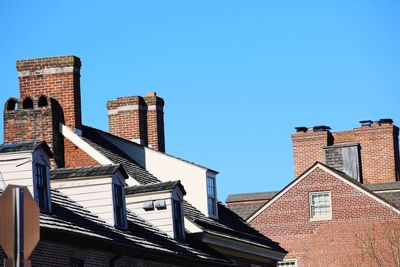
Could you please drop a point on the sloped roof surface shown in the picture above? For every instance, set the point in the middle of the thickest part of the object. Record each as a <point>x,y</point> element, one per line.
<point>245,210</point>
<point>251,196</point>
<point>92,171</point>
<point>69,217</point>
<point>383,186</point>
<point>24,146</point>
<point>156,187</point>
<point>228,222</point>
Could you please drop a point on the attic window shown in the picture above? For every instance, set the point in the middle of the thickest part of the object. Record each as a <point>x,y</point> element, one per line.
<point>179,230</point>
<point>12,104</point>
<point>42,101</point>
<point>211,197</point>
<point>119,207</point>
<point>28,103</point>
<point>42,192</point>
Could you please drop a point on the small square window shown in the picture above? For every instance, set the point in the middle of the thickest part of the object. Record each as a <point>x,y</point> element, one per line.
<point>320,206</point>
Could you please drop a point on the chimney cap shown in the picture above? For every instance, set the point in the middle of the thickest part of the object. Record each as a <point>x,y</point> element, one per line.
<point>366,122</point>
<point>321,128</point>
<point>386,121</point>
<point>301,129</point>
<point>151,94</point>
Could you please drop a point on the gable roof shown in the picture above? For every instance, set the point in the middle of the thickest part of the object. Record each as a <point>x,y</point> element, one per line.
<point>344,177</point>
<point>25,147</point>
<point>228,222</point>
<point>87,171</point>
<point>156,187</point>
<point>69,219</point>
<point>105,136</point>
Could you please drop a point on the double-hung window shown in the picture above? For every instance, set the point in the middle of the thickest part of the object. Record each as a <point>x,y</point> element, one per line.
<point>211,196</point>
<point>41,187</point>
<point>320,206</point>
<point>178,223</point>
<point>119,207</point>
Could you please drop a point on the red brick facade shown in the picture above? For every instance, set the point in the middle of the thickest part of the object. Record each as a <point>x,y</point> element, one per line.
<point>51,254</point>
<point>139,119</point>
<point>379,149</point>
<point>357,219</point>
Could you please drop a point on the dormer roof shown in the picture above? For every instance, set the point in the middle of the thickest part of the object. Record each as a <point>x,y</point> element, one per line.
<point>25,147</point>
<point>156,187</point>
<point>91,171</point>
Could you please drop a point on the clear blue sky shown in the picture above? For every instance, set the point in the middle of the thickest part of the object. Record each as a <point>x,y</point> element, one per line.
<point>237,76</point>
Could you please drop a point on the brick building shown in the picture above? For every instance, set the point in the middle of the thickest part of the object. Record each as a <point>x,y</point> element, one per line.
<point>115,199</point>
<point>343,212</point>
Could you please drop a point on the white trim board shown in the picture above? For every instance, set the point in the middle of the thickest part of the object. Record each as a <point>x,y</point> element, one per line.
<point>321,166</point>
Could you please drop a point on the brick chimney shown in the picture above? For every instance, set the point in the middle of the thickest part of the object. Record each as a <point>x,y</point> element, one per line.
<point>56,77</point>
<point>139,119</point>
<point>369,153</point>
<point>49,95</point>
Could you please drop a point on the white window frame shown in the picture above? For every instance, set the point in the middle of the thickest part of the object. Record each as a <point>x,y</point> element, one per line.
<point>212,213</point>
<point>287,262</point>
<point>320,217</point>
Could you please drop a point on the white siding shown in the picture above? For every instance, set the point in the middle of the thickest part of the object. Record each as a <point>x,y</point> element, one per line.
<point>162,219</point>
<point>16,168</point>
<point>93,194</point>
<point>167,168</point>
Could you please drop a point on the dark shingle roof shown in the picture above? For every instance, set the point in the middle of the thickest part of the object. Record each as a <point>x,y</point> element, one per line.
<point>156,187</point>
<point>228,222</point>
<point>68,217</point>
<point>392,197</point>
<point>92,171</point>
<point>109,137</point>
<point>251,196</point>
<point>24,146</point>
<point>383,186</point>
<point>245,210</point>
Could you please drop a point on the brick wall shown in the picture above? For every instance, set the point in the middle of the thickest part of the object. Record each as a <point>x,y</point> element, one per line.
<point>52,254</point>
<point>336,242</point>
<point>76,157</point>
<point>379,149</point>
<point>37,122</point>
<point>139,119</point>
<point>58,77</point>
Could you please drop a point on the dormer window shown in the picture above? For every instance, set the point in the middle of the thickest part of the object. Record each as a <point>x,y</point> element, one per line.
<point>119,207</point>
<point>41,187</point>
<point>211,197</point>
<point>178,220</point>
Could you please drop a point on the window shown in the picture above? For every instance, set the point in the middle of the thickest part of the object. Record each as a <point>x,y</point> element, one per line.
<point>287,263</point>
<point>119,207</point>
<point>41,188</point>
<point>211,196</point>
<point>178,223</point>
<point>76,262</point>
<point>320,206</point>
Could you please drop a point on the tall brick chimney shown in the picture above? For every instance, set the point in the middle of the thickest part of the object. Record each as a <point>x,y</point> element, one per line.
<point>49,95</point>
<point>56,77</point>
<point>369,153</point>
<point>139,119</point>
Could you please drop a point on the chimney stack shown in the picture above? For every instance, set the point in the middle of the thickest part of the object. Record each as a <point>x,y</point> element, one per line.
<point>372,150</point>
<point>138,119</point>
<point>56,77</point>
